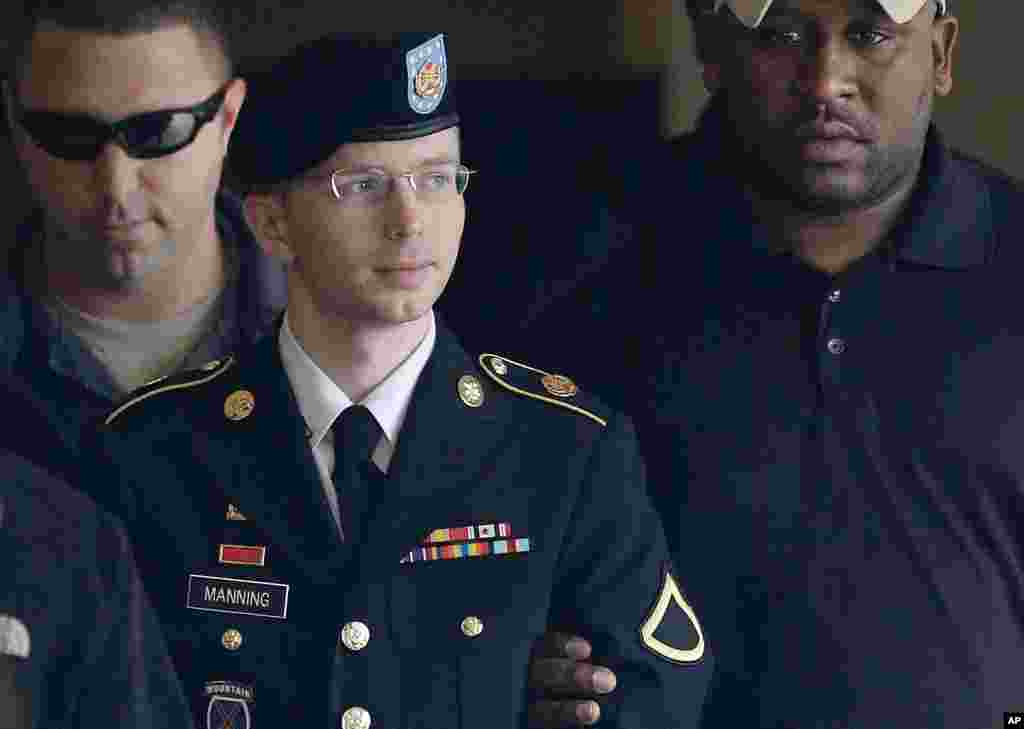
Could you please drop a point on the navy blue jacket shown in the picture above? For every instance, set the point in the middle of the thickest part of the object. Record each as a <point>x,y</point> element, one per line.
<point>563,474</point>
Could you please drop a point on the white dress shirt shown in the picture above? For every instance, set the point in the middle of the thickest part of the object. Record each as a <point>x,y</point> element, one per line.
<point>321,401</point>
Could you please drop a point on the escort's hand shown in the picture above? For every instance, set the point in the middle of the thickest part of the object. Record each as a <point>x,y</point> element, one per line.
<point>562,682</point>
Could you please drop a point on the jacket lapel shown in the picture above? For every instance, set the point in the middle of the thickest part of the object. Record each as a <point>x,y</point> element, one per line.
<point>273,479</point>
<point>443,446</point>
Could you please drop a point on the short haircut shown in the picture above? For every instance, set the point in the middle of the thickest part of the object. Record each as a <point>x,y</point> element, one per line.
<point>206,18</point>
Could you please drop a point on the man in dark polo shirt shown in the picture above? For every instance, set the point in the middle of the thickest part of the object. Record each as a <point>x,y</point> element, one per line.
<point>833,420</point>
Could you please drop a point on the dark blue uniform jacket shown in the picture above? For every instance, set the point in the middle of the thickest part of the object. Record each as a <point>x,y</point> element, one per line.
<point>181,473</point>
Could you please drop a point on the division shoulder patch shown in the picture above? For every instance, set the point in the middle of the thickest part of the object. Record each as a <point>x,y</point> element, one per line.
<point>229,705</point>
<point>540,385</point>
<point>179,381</point>
<point>672,630</point>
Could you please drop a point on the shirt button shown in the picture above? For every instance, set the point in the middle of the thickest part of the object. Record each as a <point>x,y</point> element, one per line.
<point>472,626</point>
<point>836,345</point>
<point>231,640</point>
<point>835,296</point>
<point>355,635</point>
<point>355,717</point>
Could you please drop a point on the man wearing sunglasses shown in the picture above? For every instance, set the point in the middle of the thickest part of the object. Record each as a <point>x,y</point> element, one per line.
<point>135,263</point>
<point>831,405</point>
<point>355,523</point>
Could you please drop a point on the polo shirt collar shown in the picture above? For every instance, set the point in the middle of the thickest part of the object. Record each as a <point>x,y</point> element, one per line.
<point>948,222</point>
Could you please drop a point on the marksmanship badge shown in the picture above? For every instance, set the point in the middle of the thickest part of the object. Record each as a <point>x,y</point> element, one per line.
<point>426,66</point>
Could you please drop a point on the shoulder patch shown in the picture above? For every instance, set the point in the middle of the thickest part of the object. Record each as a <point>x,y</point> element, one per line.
<point>539,385</point>
<point>178,381</point>
<point>672,630</point>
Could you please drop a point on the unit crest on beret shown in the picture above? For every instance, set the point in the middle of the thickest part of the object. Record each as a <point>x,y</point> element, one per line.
<point>178,381</point>
<point>540,385</point>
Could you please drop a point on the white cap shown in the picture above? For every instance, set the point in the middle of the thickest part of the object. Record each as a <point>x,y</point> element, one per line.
<point>752,12</point>
<point>14,639</point>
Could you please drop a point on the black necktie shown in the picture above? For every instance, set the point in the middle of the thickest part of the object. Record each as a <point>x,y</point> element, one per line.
<point>356,435</point>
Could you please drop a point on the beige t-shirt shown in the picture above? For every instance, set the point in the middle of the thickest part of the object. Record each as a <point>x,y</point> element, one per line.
<point>135,353</point>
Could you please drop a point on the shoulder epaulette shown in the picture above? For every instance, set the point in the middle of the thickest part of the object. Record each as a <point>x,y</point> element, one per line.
<point>178,381</point>
<point>540,385</point>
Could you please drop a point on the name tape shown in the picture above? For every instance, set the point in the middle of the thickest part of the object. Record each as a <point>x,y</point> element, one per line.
<point>239,597</point>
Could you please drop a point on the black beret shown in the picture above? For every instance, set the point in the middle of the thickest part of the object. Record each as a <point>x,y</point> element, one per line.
<point>340,89</point>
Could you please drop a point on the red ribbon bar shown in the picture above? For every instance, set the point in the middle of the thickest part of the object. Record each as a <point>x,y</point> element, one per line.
<point>242,555</point>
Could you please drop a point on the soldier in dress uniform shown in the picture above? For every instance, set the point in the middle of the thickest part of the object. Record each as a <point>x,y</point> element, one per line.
<point>355,522</point>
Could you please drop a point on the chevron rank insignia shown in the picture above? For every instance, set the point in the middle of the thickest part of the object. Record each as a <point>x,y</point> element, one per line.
<point>536,384</point>
<point>671,630</point>
<point>179,381</point>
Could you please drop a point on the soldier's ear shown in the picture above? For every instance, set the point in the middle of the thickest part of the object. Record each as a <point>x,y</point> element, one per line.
<point>231,108</point>
<point>265,213</point>
<point>944,36</point>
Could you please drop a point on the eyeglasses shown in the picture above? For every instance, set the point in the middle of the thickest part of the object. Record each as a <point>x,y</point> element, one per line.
<point>143,136</point>
<point>433,183</point>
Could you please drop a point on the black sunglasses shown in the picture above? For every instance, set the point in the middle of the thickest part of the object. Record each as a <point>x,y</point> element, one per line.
<point>143,136</point>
